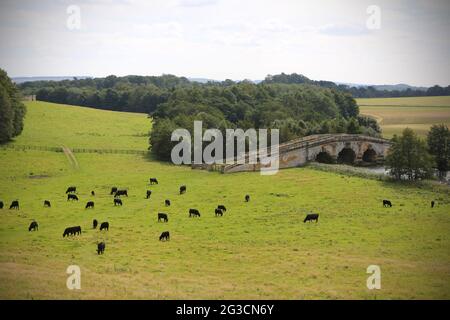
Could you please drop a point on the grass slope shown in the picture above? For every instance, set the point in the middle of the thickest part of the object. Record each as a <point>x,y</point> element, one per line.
<point>417,113</point>
<point>260,249</point>
<point>50,124</point>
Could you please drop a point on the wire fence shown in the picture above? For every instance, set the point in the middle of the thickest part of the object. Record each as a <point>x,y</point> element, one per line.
<point>74,150</point>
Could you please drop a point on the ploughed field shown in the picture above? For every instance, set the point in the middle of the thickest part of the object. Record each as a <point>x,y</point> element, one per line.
<point>257,250</point>
<point>417,113</point>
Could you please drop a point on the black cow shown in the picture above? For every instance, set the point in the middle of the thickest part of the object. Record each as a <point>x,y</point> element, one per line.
<point>194,213</point>
<point>149,193</point>
<point>182,189</point>
<point>72,197</point>
<point>387,203</point>
<point>104,225</point>
<point>94,224</point>
<point>71,231</point>
<point>218,212</point>
<point>163,217</point>
<point>92,193</point>
<point>153,181</point>
<point>90,204</point>
<point>101,247</point>
<point>117,202</point>
<point>121,193</point>
<point>167,203</point>
<point>113,190</point>
<point>164,236</point>
<point>432,204</point>
<point>1,204</point>
<point>14,205</point>
<point>71,189</point>
<point>47,203</point>
<point>33,226</point>
<point>247,198</point>
<point>222,207</point>
<point>312,217</point>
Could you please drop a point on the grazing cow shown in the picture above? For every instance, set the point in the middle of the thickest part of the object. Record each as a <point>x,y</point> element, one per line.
<point>222,207</point>
<point>167,203</point>
<point>101,247</point>
<point>47,203</point>
<point>71,231</point>
<point>72,197</point>
<point>104,225</point>
<point>164,236</point>
<point>311,217</point>
<point>117,202</point>
<point>71,189</point>
<point>149,193</point>
<point>153,181</point>
<point>92,193</point>
<point>121,193</point>
<point>387,203</point>
<point>14,205</point>
<point>218,212</point>
<point>163,217</point>
<point>33,226</point>
<point>432,204</point>
<point>94,224</point>
<point>194,213</point>
<point>90,204</point>
<point>182,189</point>
<point>113,190</point>
<point>1,204</point>
<point>247,198</point>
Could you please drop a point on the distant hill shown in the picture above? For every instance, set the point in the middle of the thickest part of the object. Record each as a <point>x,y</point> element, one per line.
<point>49,78</point>
<point>382,87</point>
<point>398,87</point>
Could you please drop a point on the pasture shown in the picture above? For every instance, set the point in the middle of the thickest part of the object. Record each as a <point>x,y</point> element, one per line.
<point>417,113</point>
<point>257,250</point>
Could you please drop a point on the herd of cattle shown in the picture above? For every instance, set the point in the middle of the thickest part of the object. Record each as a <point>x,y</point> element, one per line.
<point>76,230</point>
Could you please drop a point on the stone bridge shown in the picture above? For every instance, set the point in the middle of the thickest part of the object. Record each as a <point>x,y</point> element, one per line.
<point>340,148</point>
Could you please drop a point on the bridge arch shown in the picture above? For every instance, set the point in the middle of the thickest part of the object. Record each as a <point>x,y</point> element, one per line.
<point>347,155</point>
<point>324,157</point>
<point>370,155</point>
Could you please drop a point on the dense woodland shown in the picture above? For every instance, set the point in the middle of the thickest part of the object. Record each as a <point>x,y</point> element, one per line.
<point>292,103</point>
<point>297,109</point>
<point>12,110</point>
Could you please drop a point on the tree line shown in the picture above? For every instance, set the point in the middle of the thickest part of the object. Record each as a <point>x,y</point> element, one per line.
<point>12,110</point>
<point>411,158</point>
<point>361,91</point>
<point>296,109</point>
<point>145,93</point>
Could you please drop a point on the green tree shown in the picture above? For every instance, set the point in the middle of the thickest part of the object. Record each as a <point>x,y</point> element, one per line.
<point>439,145</point>
<point>353,126</point>
<point>161,144</point>
<point>12,110</point>
<point>408,157</point>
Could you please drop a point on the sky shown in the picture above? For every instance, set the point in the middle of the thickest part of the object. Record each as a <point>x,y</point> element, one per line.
<point>351,41</point>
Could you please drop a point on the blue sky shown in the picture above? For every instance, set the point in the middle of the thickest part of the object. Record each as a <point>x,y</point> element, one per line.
<point>236,39</point>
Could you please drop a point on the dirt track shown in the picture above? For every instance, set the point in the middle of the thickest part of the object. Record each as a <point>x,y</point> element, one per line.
<point>70,156</point>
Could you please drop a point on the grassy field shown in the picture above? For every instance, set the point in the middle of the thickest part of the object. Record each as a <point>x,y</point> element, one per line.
<point>257,250</point>
<point>417,113</point>
<point>50,124</point>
